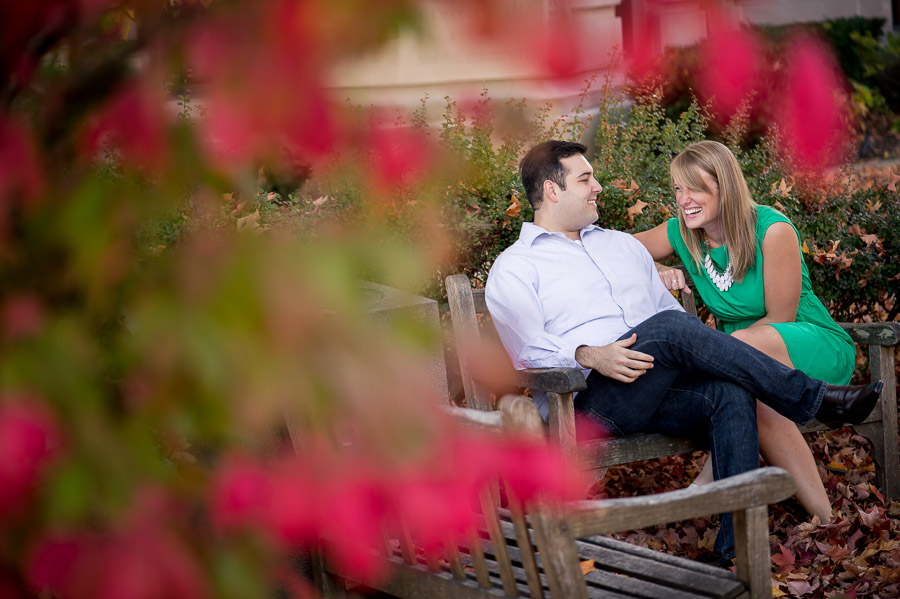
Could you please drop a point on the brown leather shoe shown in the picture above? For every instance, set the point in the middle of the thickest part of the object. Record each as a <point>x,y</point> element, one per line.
<point>848,404</point>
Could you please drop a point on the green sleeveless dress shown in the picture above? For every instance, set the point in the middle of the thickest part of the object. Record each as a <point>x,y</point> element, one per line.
<point>815,343</point>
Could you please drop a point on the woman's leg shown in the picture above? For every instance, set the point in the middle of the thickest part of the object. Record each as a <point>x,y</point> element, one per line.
<point>780,441</point>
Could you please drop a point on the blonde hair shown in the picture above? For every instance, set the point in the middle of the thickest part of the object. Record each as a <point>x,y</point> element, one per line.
<point>737,211</point>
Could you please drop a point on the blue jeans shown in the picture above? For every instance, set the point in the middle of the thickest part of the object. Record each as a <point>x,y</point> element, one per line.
<point>702,380</point>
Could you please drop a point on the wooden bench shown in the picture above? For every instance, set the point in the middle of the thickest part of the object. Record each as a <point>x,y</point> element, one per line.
<point>471,321</point>
<point>539,549</point>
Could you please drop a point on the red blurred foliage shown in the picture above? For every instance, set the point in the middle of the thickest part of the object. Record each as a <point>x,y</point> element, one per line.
<point>28,437</point>
<point>21,316</point>
<point>141,560</point>
<point>346,501</point>
<point>265,84</point>
<point>20,171</point>
<point>24,26</point>
<point>810,111</point>
<point>398,156</point>
<point>134,122</point>
<point>559,48</point>
<point>731,70</point>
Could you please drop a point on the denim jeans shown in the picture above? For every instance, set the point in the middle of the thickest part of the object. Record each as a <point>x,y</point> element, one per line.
<point>702,380</point>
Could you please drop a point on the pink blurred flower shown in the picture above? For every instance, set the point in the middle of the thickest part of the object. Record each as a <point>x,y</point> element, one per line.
<point>810,112</point>
<point>21,316</point>
<point>533,469</point>
<point>28,436</point>
<point>731,68</point>
<point>240,494</point>
<point>560,48</point>
<point>264,88</point>
<point>352,524</point>
<point>133,120</point>
<point>143,559</point>
<point>20,171</point>
<point>398,156</point>
<point>50,563</point>
<point>292,513</point>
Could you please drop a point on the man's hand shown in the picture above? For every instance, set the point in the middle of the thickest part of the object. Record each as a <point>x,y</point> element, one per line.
<point>615,360</point>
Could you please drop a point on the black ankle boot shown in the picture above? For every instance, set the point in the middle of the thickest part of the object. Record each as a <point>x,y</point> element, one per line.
<point>848,404</point>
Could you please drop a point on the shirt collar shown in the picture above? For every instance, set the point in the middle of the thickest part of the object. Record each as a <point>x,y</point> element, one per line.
<point>531,231</point>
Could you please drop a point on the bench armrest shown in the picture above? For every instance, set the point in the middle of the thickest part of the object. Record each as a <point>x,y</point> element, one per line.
<point>873,333</point>
<point>555,380</point>
<point>750,489</point>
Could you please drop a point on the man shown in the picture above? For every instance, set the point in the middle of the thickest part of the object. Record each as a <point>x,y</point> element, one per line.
<point>569,293</point>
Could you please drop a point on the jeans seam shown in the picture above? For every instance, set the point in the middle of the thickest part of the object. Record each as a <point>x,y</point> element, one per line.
<point>613,428</point>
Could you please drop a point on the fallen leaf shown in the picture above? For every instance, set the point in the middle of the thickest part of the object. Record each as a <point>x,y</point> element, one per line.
<point>870,519</point>
<point>638,208</point>
<point>837,466</point>
<point>587,566</point>
<point>249,222</point>
<point>320,200</point>
<point>626,186</point>
<point>783,189</point>
<point>238,209</point>
<point>515,206</point>
<point>798,588</point>
<point>779,205</point>
<point>804,248</point>
<point>784,560</point>
<point>777,592</point>
<point>272,195</point>
<point>873,208</point>
<point>228,197</point>
<point>870,239</point>
<point>893,179</point>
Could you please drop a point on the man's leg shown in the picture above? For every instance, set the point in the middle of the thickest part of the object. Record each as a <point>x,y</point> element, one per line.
<point>726,413</point>
<point>680,343</point>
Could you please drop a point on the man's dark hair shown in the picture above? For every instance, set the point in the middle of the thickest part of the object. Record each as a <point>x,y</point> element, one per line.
<point>544,162</point>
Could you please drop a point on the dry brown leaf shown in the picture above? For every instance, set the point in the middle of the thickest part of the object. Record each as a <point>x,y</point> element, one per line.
<point>250,221</point>
<point>626,185</point>
<point>238,209</point>
<point>515,206</point>
<point>782,189</point>
<point>638,208</point>
<point>893,179</point>
<point>228,197</point>
<point>804,248</point>
<point>870,239</point>
<point>587,566</point>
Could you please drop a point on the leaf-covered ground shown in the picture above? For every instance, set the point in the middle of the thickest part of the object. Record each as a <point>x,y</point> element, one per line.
<point>857,554</point>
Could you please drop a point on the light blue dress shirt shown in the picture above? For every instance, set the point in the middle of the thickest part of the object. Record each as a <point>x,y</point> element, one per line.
<point>548,295</point>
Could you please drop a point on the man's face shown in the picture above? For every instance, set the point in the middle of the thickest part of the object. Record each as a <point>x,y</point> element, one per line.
<point>577,207</point>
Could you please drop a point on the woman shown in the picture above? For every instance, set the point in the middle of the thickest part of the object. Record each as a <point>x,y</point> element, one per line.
<point>746,263</point>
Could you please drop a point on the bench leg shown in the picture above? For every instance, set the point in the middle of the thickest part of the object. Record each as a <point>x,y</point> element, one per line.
<point>751,544</point>
<point>561,416</point>
<point>329,585</point>
<point>883,435</point>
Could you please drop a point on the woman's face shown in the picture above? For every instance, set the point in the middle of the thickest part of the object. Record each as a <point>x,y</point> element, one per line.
<point>700,209</point>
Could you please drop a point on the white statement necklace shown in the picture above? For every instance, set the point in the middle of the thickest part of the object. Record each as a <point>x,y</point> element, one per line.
<point>721,280</point>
